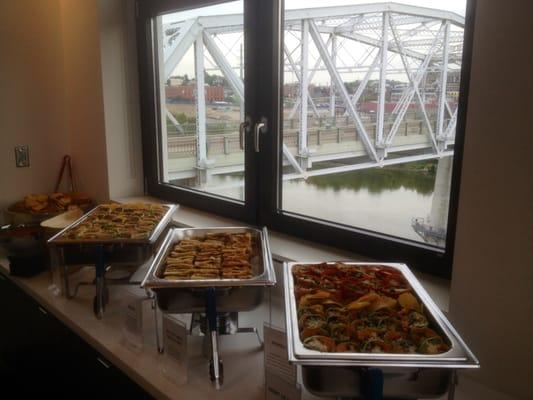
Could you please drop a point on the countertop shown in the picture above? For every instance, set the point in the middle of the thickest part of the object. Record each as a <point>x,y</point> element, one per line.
<point>242,354</point>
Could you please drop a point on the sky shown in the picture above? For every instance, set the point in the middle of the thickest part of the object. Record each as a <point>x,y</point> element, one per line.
<point>236,7</point>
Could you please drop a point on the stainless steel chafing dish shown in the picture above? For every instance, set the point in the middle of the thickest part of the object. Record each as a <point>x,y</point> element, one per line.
<point>186,296</point>
<point>214,297</point>
<point>104,252</point>
<point>85,245</point>
<point>406,376</point>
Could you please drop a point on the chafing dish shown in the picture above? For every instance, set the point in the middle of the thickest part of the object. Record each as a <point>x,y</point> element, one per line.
<point>103,252</point>
<point>402,375</point>
<point>215,297</point>
<point>187,296</point>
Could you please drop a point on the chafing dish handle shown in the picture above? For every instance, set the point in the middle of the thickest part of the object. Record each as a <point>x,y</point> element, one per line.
<point>371,383</point>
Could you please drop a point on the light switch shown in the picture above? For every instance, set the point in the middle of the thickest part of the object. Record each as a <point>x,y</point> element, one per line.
<point>22,156</point>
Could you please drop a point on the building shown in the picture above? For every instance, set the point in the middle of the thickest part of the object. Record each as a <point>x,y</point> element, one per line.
<point>188,92</point>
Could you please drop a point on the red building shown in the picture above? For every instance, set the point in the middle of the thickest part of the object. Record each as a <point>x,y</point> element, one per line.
<point>187,92</point>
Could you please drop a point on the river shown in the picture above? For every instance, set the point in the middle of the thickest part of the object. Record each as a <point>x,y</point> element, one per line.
<point>383,200</point>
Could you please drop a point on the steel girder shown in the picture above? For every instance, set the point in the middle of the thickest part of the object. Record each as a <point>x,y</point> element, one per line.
<point>201,139</point>
<point>382,84</point>
<point>174,121</point>
<point>443,82</point>
<point>358,23</point>
<point>191,30</point>
<point>234,80</point>
<point>414,85</point>
<point>233,22</point>
<point>343,93</point>
<point>311,75</point>
<point>298,77</point>
<point>304,89</point>
<point>412,89</point>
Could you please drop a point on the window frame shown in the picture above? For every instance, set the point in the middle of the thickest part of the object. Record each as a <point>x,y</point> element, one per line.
<point>263,99</point>
<point>149,90</point>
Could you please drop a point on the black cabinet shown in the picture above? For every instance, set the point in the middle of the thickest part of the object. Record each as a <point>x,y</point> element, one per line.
<point>41,356</point>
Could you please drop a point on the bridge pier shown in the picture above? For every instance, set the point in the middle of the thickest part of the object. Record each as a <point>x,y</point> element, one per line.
<point>438,216</point>
<point>304,161</point>
<point>201,176</point>
<point>434,227</point>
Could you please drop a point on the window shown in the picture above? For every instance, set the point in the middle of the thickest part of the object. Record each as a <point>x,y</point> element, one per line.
<point>341,124</point>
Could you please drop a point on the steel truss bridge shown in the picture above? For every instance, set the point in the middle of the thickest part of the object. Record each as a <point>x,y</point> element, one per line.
<point>376,44</point>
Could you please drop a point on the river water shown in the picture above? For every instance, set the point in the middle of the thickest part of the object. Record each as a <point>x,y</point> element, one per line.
<point>381,200</point>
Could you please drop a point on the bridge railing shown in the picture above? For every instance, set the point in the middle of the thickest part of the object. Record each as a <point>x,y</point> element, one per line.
<point>226,141</point>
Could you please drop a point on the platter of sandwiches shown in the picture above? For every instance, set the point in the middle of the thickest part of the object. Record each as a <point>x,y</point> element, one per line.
<point>114,222</point>
<point>213,256</point>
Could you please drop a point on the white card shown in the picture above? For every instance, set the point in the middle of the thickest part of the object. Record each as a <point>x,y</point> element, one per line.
<point>175,338</point>
<point>276,356</point>
<point>175,359</point>
<point>134,315</point>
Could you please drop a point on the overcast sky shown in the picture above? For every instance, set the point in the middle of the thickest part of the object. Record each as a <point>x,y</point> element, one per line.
<point>236,7</point>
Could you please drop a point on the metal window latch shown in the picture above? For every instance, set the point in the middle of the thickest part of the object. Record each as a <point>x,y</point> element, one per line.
<point>260,127</point>
<point>243,128</point>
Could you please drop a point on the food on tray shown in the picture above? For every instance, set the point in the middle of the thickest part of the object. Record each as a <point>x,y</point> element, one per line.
<point>213,256</point>
<point>361,308</point>
<point>53,203</point>
<point>119,221</point>
<point>36,202</point>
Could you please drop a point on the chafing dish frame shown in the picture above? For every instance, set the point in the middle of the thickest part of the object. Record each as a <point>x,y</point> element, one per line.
<point>187,295</point>
<point>211,295</point>
<point>57,239</point>
<point>102,252</point>
<point>459,356</point>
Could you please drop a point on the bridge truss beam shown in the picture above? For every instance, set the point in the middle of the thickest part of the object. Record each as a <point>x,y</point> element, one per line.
<point>390,32</point>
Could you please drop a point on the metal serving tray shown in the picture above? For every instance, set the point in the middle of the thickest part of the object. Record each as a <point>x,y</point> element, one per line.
<point>119,250</point>
<point>58,239</point>
<point>185,296</point>
<point>459,355</point>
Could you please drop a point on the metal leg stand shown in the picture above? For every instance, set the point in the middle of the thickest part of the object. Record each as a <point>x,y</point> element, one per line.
<point>66,283</point>
<point>100,299</point>
<point>371,384</point>
<point>157,338</point>
<point>453,384</point>
<point>215,364</point>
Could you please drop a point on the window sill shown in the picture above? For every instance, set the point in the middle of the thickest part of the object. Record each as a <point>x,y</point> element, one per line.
<point>290,248</point>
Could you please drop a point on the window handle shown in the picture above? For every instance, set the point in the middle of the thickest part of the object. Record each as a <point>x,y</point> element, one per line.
<point>243,128</point>
<point>260,127</point>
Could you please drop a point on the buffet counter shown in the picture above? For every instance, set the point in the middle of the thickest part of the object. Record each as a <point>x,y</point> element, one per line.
<point>242,353</point>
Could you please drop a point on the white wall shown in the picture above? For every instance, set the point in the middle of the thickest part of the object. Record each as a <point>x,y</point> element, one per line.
<point>84,96</point>
<point>121,97</point>
<point>32,106</point>
<point>491,300</point>
<point>68,85</point>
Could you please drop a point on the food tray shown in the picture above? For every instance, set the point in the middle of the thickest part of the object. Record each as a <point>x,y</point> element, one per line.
<point>82,251</point>
<point>459,356</point>
<point>59,238</point>
<point>231,294</point>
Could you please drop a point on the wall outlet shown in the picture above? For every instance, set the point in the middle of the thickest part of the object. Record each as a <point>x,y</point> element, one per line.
<point>22,156</point>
